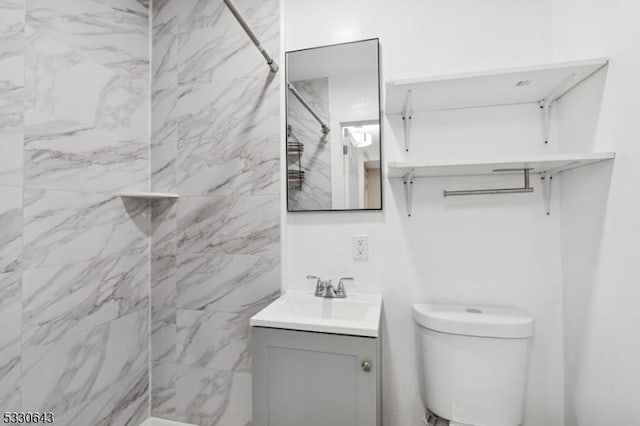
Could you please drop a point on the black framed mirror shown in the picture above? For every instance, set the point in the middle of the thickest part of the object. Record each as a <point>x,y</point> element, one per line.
<point>333,127</point>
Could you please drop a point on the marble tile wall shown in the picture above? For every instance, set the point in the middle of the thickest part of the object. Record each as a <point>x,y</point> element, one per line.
<point>74,257</point>
<point>12,41</point>
<point>75,96</point>
<point>315,193</point>
<point>215,253</point>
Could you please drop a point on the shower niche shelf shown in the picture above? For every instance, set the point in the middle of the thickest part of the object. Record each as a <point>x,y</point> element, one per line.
<point>539,84</point>
<point>150,195</point>
<point>546,166</point>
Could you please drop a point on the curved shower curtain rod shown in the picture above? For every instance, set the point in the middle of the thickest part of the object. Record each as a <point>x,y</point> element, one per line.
<point>234,10</point>
<point>325,128</point>
<point>271,62</point>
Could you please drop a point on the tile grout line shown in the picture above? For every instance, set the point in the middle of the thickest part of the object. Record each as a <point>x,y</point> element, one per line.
<point>24,79</point>
<point>150,206</point>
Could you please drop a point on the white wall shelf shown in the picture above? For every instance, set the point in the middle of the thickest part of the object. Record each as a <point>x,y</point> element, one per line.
<point>150,195</point>
<point>540,84</point>
<point>547,166</point>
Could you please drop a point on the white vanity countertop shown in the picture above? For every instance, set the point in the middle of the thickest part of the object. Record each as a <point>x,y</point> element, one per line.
<point>357,315</point>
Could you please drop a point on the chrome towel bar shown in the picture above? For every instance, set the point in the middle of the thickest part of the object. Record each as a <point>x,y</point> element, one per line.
<point>525,189</point>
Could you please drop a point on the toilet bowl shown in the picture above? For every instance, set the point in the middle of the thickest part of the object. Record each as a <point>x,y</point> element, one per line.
<point>473,362</point>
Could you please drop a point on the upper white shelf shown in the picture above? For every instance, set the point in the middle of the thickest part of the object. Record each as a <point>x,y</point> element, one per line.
<point>150,195</point>
<point>549,163</point>
<point>490,88</point>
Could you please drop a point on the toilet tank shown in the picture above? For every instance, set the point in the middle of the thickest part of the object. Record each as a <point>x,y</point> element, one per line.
<point>473,362</point>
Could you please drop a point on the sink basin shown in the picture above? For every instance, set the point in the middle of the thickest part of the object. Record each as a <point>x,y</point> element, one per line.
<point>358,314</point>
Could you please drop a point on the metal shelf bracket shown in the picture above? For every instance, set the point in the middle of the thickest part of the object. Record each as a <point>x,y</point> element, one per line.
<point>407,179</point>
<point>546,103</point>
<point>407,116</point>
<point>547,185</point>
<point>545,108</point>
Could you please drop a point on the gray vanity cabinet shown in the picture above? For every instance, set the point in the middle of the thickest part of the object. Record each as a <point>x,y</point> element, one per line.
<point>314,379</point>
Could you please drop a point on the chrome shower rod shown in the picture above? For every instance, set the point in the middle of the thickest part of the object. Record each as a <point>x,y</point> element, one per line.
<point>234,10</point>
<point>325,128</point>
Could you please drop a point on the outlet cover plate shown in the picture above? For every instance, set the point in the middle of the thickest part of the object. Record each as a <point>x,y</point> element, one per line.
<point>361,247</point>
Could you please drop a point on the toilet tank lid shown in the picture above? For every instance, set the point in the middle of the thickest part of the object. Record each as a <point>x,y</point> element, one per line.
<point>474,320</point>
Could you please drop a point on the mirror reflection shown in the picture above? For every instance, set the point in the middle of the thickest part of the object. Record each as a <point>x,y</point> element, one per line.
<point>333,128</point>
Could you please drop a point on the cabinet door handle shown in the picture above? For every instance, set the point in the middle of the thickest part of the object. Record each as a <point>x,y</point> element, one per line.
<point>366,366</point>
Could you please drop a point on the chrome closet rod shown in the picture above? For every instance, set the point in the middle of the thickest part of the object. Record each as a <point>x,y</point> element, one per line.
<point>325,128</point>
<point>234,10</point>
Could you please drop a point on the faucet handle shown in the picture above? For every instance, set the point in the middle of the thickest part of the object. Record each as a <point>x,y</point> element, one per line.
<point>343,279</point>
<point>340,291</point>
<point>319,284</point>
<point>313,277</point>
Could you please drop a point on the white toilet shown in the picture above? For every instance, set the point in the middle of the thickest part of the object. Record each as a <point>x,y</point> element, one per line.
<point>473,362</point>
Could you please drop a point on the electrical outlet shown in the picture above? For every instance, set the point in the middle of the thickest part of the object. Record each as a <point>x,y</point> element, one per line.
<point>361,247</point>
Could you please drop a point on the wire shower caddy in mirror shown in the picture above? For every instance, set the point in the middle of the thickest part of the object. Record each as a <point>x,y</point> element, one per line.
<point>295,148</point>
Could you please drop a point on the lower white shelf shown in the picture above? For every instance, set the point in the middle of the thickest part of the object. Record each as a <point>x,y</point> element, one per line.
<point>150,195</point>
<point>550,164</point>
<point>545,165</point>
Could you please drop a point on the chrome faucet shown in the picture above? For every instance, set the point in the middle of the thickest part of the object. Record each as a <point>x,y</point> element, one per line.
<point>340,291</point>
<point>324,288</point>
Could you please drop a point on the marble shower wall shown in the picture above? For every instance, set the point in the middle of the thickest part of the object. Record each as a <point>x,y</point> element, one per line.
<point>74,257</point>
<point>215,253</point>
<point>315,193</point>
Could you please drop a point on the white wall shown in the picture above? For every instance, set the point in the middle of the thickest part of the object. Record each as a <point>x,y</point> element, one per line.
<point>499,250</point>
<point>600,215</point>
